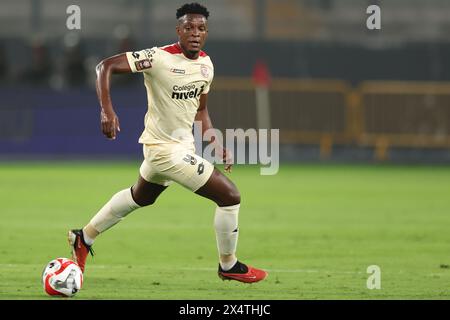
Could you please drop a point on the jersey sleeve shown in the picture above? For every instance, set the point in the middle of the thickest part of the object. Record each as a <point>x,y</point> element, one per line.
<point>207,88</point>
<point>210,80</point>
<point>141,61</point>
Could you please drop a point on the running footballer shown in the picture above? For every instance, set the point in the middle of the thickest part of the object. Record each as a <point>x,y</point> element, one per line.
<point>177,78</point>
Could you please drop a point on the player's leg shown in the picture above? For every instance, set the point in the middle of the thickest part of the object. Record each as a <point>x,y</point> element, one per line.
<point>182,165</point>
<point>225,194</point>
<point>142,193</point>
<point>220,189</point>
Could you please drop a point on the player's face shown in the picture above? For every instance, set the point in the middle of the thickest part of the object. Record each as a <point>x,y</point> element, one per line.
<point>192,31</point>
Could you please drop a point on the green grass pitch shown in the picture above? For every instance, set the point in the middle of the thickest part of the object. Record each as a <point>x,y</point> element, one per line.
<point>315,228</point>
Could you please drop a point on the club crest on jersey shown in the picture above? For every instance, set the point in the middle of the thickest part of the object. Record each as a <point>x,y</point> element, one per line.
<point>204,70</point>
<point>143,64</point>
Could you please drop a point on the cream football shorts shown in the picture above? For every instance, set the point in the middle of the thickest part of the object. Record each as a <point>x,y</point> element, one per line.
<point>165,163</point>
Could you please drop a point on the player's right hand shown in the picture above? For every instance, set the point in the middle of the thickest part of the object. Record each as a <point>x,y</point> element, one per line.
<point>110,124</point>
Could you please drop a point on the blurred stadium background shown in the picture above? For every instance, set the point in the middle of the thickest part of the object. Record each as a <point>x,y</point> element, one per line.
<point>337,91</point>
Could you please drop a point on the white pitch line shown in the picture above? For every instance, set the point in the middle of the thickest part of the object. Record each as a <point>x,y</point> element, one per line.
<point>283,271</point>
<point>94,266</point>
<point>99,266</point>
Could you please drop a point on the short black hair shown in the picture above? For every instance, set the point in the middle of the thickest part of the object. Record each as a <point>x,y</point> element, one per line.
<point>194,7</point>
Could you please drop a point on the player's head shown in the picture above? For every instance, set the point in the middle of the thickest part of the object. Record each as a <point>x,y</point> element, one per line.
<point>192,28</point>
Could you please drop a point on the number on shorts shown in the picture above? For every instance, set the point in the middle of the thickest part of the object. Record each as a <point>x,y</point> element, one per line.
<point>190,159</point>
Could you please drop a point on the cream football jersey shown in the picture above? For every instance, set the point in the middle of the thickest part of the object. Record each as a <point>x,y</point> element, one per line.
<point>174,84</point>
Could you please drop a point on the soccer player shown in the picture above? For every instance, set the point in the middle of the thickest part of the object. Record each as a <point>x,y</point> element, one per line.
<point>177,78</point>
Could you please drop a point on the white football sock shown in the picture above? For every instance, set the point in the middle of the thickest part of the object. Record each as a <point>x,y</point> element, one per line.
<point>228,265</point>
<point>88,240</point>
<point>120,205</point>
<point>226,226</point>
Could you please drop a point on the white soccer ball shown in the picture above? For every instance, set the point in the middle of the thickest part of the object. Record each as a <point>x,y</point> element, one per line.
<point>62,277</point>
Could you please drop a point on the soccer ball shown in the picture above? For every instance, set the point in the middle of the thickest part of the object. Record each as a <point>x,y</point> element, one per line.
<point>62,277</point>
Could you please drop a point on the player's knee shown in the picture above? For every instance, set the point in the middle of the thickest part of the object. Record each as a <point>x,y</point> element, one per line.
<point>141,199</point>
<point>145,202</point>
<point>233,196</point>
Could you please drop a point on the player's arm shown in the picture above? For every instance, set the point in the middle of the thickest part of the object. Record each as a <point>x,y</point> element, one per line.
<point>203,116</point>
<point>115,64</point>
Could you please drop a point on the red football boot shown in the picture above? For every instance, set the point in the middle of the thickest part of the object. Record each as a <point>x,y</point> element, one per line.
<point>80,249</point>
<point>241,272</point>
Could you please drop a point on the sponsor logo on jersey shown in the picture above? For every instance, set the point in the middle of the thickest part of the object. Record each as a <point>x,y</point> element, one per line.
<point>180,71</point>
<point>136,55</point>
<point>188,91</point>
<point>143,64</point>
